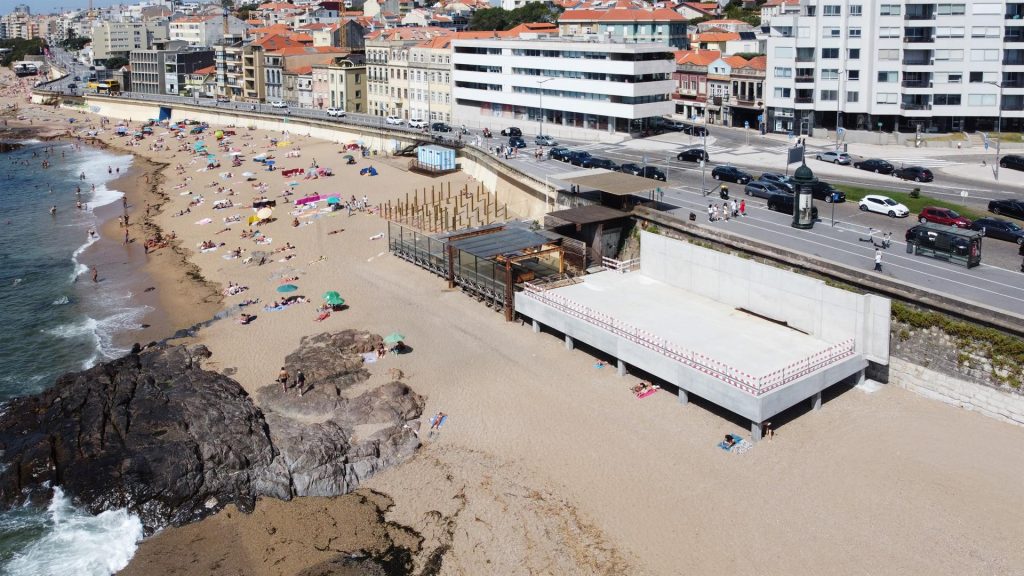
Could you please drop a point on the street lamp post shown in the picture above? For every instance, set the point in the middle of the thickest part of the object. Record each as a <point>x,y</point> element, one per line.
<point>839,106</point>
<point>703,162</point>
<point>999,124</point>
<point>540,93</point>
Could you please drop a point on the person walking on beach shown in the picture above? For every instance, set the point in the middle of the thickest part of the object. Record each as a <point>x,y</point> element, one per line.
<point>282,377</point>
<point>300,382</point>
<point>95,274</point>
<point>878,260</point>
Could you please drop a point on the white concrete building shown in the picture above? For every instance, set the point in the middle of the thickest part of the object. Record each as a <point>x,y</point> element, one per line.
<point>576,86</point>
<point>116,39</point>
<point>896,65</point>
<point>204,30</point>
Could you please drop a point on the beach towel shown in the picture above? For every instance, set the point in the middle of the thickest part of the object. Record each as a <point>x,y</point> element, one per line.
<point>208,250</point>
<point>647,392</point>
<point>273,308</point>
<point>369,357</point>
<point>204,221</point>
<point>739,447</point>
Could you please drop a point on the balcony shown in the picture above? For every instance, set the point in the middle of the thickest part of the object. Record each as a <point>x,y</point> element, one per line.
<point>918,39</point>
<point>805,79</point>
<point>1013,61</point>
<point>1013,106</point>
<point>919,15</point>
<point>1015,14</point>
<point>804,100</point>
<point>1015,37</point>
<point>917,83</point>
<point>805,58</point>
<point>918,61</point>
<point>915,106</point>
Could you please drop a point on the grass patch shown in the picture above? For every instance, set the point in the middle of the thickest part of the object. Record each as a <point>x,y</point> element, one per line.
<point>954,137</point>
<point>856,193</point>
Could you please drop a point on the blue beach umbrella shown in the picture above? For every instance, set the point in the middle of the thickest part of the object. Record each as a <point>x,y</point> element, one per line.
<point>334,200</point>
<point>287,288</point>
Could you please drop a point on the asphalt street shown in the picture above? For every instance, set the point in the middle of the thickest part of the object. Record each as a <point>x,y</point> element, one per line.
<point>850,240</point>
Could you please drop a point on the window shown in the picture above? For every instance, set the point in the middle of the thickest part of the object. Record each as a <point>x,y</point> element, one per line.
<point>830,32</point>
<point>854,53</point>
<point>888,76</point>
<point>783,52</point>
<point>986,8</point>
<point>946,100</point>
<point>954,78</point>
<point>812,10</point>
<point>950,9</point>
<point>889,10</point>
<point>981,100</point>
<point>949,32</point>
<point>830,74</point>
<point>984,32</point>
<point>829,95</point>
<point>886,98</point>
<point>854,32</point>
<point>832,10</point>
<point>888,54</point>
<point>977,76</point>
<point>853,74</point>
<point>783,72</point>
<point>949,55</point>
<point>984,55</point>
<point>782,92</point>
<point>853,96</point>
<point>830,53</point>
<point>888,32</point>
<point>855,10</point>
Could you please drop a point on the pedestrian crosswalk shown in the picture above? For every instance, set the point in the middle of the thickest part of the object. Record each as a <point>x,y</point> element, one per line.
<point>903,161</point>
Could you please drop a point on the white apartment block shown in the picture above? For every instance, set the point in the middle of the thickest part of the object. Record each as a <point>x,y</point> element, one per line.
<point>574,85</point>
<point>896,65</point>
<point>204,30</point>
<point>117,39</point>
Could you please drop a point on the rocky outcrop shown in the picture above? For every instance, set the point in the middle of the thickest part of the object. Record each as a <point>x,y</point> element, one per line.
<point>156,433</point>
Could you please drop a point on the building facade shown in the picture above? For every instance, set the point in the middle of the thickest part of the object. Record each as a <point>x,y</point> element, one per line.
<point>430,69</point>
<point>117,39</point>
<point>660,26</point>
<point>896,65</point>
<point>166,71</point>
<point>571,84</point>
<point>204,30</point>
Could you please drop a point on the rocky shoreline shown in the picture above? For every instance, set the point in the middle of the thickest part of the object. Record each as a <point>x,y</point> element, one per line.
<point>157,433</point>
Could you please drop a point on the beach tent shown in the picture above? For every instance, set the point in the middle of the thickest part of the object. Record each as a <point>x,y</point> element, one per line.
<point>333,200</point>
<point>394,338</point>
<point>253,219</point>
<point>264,213</point>
<point>333,298</point>
<point>287,288</point>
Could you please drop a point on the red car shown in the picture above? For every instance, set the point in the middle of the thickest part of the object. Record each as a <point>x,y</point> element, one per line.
<point>942,216</point>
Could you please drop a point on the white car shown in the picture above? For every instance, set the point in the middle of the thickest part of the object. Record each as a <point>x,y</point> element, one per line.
<point>834,157</point>
<point>395,120</point>
<point>883,205</point>
<point>417,123</point>
<point>338,112</point>
<point>278,104</point>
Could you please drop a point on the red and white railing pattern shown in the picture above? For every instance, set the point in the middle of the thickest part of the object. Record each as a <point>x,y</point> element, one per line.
<point>620,266</point>
<point>749,383</point>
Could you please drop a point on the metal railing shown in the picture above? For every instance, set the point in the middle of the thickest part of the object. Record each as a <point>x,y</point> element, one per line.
<point>620,266</point>
<point>753,385</point>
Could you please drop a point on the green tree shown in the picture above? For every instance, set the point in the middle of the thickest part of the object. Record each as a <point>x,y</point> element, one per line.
<point>489,19</point>
<point>115,63</point>
<point>501,19</point>
<point>74,42</point>
<point>20,48</point>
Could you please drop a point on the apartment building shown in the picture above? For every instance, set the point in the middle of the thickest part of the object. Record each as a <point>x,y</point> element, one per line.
<point>573,85</point>
<point>430,69</point>
<point>205,29</point>
<point>228,62</point>
<point>630,25</point>
<point>896,65</point>
<point>166,70</point>
<point>387,68</point>
<point>116,39</point>
<point>341,84</point>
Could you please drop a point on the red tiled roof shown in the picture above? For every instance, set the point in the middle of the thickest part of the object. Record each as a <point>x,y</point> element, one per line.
<point>735,61</point>
<point>758,63</point>
<point>207,70</point>
<point>275,42</point>
<point>716,36</point>
<point>531,27</point>
<point>697,57</point>
<point>300,70</point>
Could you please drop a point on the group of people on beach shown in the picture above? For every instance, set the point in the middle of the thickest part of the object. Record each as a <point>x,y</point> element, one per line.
<point>283,378</point>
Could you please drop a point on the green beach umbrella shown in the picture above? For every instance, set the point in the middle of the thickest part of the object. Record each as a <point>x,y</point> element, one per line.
<point>393,338</point>
<point>287,288</point>
<point>334,200</point>
<point>333,298</point>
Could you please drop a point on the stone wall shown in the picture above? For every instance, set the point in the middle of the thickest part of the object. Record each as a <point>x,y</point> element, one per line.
<point>992,402</point>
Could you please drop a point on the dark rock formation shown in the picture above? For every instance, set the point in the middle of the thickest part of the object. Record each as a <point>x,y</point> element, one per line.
<point>156,433</point>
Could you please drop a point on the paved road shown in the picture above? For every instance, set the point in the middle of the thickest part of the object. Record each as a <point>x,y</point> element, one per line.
<point>998,282</point>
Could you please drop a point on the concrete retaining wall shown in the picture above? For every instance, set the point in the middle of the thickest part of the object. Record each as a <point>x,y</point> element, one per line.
<point>804,303</point>
<point>991,402</point>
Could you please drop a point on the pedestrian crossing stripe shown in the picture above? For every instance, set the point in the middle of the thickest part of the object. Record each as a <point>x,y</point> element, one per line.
<point>926,162</point>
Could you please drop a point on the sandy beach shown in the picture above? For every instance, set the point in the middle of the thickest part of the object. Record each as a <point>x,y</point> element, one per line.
<point>547,464</point>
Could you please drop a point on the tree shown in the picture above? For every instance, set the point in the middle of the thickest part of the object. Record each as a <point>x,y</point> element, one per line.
<point>489,19</point>
<point>115,63</point>
<point>74,42</point>
<point>501,19</point>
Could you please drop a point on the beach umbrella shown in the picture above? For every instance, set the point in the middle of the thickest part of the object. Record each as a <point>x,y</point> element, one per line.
<point>393,338</point>
<point>293,183</point>
<point>333,298</point>
<point>287,288</point>
<point>347,157</point>
<point>234,153</point>
<point>248,175</point>
<point>264,213</point>
<point>253,219</point>
<point>334,200</point>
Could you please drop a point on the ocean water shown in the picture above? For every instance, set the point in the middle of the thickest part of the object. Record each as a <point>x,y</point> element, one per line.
<point>56,319</point>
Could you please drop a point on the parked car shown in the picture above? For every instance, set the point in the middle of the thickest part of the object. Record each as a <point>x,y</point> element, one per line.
<point>644,171</point>
<point>1012,208</point>
<point>673,125</point>
<point>731,174</point>
<point>559,153</point>
<point>513,131</point>
<point>883,205</point>
<point>915,173</point>
<point>999,229</point>
<point>762,189</point>
<point>336,112</point>
<point>278,104</point>
<point>78,78</point>
<point>693,155</point>
<point>394,120</point>
<point>223,99</point>
<point>417,123</point>
<point>440,127</point>
<point>695,130</point>
<point>834,157</point>
<point>1011,161</point>
<point>595,162</point>
<point>779,180</point>
<point>516,142</point>
<point>876,165</point>
<point>544,140</point>
<point>942,216</point>
<point>577,157</point>
<point>784,203</point>
<point>822,190</point>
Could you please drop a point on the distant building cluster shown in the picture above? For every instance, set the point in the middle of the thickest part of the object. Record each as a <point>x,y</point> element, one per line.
<point>608,65</point>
